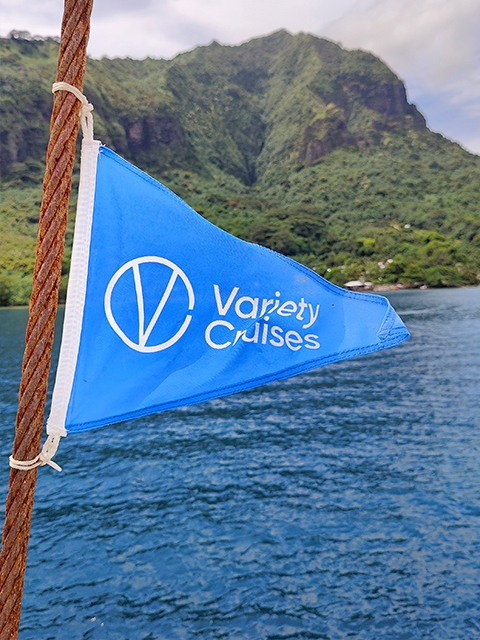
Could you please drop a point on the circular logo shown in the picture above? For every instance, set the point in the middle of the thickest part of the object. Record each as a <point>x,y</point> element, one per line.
<point>138,300</point>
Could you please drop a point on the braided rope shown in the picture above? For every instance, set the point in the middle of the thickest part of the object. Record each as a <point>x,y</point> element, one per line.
<point>43,307</point>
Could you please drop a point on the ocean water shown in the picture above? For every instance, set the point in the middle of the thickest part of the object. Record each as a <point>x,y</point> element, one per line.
<point>343,503</point>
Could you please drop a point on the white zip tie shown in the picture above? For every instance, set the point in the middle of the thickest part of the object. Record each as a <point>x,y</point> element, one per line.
<point>86,118</point>
<point>45,456</point>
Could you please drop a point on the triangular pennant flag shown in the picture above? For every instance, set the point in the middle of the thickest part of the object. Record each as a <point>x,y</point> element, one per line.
<point>164,309</point>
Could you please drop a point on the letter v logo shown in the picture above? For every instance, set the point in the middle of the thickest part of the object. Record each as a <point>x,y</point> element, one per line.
<point>138,301</point>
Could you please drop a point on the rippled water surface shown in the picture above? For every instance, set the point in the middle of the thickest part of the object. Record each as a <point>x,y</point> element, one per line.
<point>344,503</point>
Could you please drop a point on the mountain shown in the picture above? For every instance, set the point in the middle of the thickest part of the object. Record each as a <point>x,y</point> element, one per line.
<point>288,141</point>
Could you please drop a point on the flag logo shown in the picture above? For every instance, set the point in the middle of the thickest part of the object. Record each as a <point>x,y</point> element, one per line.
<point>137,297</point>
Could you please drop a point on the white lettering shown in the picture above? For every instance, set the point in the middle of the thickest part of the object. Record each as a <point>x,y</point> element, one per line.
<point>248,307</point>
<point>302,305</point>
<point>265,304</point>
<point>275,306</point>
<point>208,334</point>
<point>287,308</point>
<point>223,309</point>
<point>311,341</point>
<point>293,340</point>
<point>265,331</point>
<point>313,316</point>
<point>239,335</point>
<point>276,333</point>
<point>256,333</point>
<point>251,301</point>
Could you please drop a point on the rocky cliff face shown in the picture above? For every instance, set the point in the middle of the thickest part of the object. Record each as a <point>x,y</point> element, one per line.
<point>280,100</point>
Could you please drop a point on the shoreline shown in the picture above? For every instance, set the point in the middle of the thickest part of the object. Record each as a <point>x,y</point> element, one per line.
<point>376,288</point>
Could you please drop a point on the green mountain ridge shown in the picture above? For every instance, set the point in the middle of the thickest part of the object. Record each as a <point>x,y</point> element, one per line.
<point>288,141</point>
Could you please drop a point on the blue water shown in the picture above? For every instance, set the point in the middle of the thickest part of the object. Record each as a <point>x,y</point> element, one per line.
<point>343,503</point>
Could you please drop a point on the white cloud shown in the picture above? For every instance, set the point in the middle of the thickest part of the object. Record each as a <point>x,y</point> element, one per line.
<point>436,37</point>
<point>236,20</point>
<point>40,18</point>
<point>165,27</point>
<point>156,31</point>
<point>432,44</point>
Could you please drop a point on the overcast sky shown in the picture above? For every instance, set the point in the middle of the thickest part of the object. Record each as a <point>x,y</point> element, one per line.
<point>433,45</point>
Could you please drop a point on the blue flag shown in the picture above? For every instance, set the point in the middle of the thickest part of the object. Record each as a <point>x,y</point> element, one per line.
<point>165,309</point>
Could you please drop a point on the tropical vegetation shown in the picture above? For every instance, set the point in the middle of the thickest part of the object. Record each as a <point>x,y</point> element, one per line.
<point>288,141</point>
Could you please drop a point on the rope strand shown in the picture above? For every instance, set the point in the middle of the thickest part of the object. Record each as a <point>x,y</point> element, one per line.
<point>43,305</point>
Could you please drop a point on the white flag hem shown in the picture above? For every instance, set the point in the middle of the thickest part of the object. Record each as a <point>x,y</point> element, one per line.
<point>77,287</point>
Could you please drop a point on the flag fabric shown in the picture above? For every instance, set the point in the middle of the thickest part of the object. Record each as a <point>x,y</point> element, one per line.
<point>164,309</point>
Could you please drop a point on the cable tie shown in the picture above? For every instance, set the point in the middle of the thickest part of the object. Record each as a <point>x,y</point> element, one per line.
<point>86,118</point>
<point>45,456</point>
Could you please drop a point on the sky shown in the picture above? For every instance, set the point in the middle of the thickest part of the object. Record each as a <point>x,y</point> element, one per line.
<point>432,45</point>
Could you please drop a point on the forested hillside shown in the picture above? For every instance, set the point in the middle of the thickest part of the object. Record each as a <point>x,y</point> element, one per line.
<point>288,141</point>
